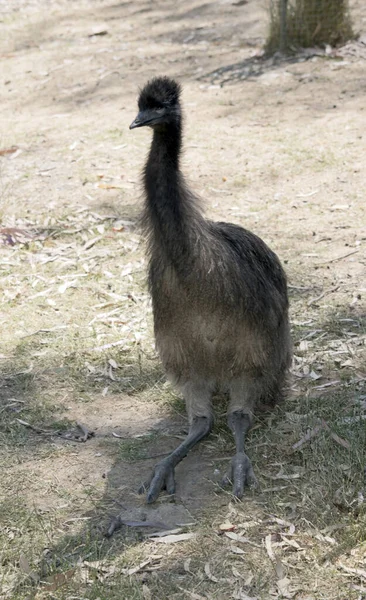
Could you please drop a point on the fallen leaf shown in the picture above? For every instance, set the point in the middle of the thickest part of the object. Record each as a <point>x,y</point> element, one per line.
<point>309,436</point>
<point>209,574</point>
<point>192,595</point>
<point>236,550</point>
<point>106,186</point>
<point>164,533</point>
<point>54,582</point>
<point>240,538</point>
<point>173,539</point>
<point>241,595</point>
<point>10,150</point>
<point>291,542</point>
<point>92,242</point>
<point>314,375</point>
<point>340,440</point>
<point>283,588</point>
<point>146,592</point>
<point>24,565</point>
<point>227,526</point>
<point>187,563</point>
<point>66,285</point>
<point>138,568</point>
<point>97,32</point>
<point>358,572</point>
<point>268,544</point>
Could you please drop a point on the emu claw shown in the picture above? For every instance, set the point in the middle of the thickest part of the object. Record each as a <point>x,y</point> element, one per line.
<point>240,474</point>
<point>162,478</point>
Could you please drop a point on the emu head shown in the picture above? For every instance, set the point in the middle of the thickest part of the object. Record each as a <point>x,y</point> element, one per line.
<point>158,104</point>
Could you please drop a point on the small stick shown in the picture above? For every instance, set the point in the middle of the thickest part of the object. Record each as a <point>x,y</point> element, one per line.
<point>338,257</point>
<point>107,346</point>
<point>325,293</point>
<point>36,429</point>
<point>117,522</point>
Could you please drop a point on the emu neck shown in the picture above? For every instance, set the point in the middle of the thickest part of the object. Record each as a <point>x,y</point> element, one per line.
<point>171,216</point>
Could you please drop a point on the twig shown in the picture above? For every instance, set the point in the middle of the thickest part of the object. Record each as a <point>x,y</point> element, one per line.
<point>307,195</point>
<point>338,257</point>
<point>44,331</point>
<point>358,572</point>
<point>106,346</point>
<point>36,429</point>
<point>310,435</point>
<point>325,293</point>
<point>117,522</point>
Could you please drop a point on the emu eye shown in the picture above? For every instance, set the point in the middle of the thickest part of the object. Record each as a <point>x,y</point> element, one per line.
<point>160,110</point>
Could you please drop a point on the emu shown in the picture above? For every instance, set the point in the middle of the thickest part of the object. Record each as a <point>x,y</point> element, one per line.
<point>219,297</point>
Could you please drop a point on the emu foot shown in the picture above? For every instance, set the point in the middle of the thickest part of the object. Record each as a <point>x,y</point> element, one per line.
<point>240,474</point>
<point>162,478</point>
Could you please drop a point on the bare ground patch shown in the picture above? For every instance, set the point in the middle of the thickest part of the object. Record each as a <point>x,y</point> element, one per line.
<point>278,149</point>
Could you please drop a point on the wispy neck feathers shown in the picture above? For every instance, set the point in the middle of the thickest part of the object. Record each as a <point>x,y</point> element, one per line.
<point>171,217</point>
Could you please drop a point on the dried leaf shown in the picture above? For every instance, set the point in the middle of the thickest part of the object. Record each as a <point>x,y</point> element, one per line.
<point>187,563</point>
<point>146,592</point>
<point>280,571</point>
<point>236,550</point>
<point>106,186</point>
<point>139,567</point>
<point>240,538</point>
<point>92,242</point>
<point>283,588</point>
<point>10,150</point>
<point>173,539</point>
<point>192,595</point>
<point>237,573</point>
<point>358,572</point>
<point>227,526</point>
<point>268,544</point>
<point>241,595</point>
<point>314,375</point>
<point>54,582</point>
<point>309,436</point>
<point>340,440</point>
<point>66,285</point>
<point>164,533</point>
<point>209,574</point>
<point>291,542</point>
<point>97,32</point>
<point>24,565</point>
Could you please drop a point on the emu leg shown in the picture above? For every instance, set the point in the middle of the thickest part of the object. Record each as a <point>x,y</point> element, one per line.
<point>240,471</point>
<point>163,474</point>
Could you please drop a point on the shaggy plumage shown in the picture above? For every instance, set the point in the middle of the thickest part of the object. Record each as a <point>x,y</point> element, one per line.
<point>219,297</point>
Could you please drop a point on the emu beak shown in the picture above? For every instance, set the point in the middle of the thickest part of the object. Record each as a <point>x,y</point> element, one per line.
<point>143,118</point>
<point>138,122</point>
<point>148,117</point>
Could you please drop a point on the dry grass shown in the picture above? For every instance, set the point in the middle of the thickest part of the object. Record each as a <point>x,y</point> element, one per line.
<point>77,340</point>
<point>309,513</point>
<point>310,23</point>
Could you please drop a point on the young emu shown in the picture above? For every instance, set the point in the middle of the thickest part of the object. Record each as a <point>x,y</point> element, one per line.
<point>219,298</point>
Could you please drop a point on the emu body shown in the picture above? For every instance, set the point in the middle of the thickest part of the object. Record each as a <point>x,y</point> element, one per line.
<point>219,298</point>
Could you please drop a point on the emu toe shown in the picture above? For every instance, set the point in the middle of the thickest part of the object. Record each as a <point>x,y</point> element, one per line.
<point>240,474</point>
<point>162,478</point>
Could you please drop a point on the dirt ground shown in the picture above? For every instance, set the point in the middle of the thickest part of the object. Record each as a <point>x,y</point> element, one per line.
<point>277,146</point>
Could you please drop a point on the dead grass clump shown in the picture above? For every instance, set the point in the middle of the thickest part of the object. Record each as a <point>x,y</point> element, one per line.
<point>308,23</point>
